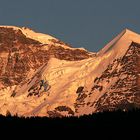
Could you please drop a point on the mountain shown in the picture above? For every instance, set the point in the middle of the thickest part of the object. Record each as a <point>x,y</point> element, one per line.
<point>42,76</point>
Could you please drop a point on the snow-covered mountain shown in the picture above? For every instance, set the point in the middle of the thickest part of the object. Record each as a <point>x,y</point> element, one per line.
<point>42,76</point>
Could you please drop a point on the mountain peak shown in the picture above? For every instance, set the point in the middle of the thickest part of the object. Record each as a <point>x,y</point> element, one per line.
<point>130,36</point>
<point>128,31</point>
<point>125,38</point>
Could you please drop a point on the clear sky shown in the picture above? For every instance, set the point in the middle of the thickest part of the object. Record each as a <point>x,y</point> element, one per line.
<point>82,23</point>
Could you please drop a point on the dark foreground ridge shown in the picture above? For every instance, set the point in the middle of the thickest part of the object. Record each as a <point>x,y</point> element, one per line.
<point>117,119</point>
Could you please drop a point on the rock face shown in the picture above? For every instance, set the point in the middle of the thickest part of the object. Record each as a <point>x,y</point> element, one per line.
<point>42,76</point>
<point>15,56</point>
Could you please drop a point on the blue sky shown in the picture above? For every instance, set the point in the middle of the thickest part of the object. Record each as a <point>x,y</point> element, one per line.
<point>82,23</point>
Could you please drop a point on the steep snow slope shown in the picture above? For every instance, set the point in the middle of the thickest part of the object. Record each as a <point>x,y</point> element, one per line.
<point>64,78</point>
